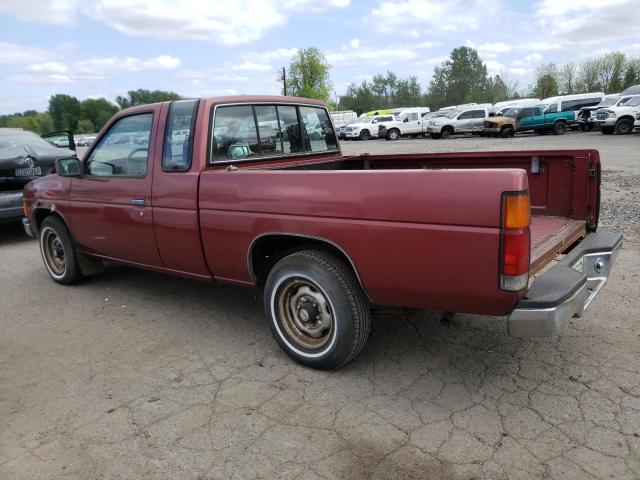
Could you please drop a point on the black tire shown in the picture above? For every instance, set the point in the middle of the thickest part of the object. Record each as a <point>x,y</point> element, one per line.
<point>393,134</point>
<point>507,132</point>
<point>607,130</point>
<point>446,132</point>
<point>59,252</point>
<point>624,126</point>
<point>309,278</point>
<point>559,128</point>
<point>364,135</point>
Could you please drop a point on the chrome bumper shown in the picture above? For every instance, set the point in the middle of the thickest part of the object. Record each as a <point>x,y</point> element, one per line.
<point>567,289</point>
<point>26,224</point>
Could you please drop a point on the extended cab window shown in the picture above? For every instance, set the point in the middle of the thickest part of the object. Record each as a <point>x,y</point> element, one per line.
<point>526,112</point>
<point>319,134</point>
<point>124,149</point>
<point>178,138</point>
<point>234,133</point>
<point>553,108</point>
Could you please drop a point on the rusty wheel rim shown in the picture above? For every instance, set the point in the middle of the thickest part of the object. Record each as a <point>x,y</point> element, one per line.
<point>53,252</point>
<point>305,313</point>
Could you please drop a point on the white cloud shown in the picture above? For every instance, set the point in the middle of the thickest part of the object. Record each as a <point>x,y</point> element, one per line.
<point>13,53</point>
<point>229,23</point>
<point>589,22</point>
<point>417,18</point>
<point>533,57</point>
<point>250,66</point>
<point>355,43</point>
<point>495,47</point>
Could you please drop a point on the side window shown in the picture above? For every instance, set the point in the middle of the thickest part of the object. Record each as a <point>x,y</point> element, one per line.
<point>318,132</point>
<point>526,112</point>
<point>387,119</point>
<point>466,115</point>
<point>479,114</point>
<point>413,117</point>
<point>234,133</point>
<point>124,149</point>
<point>290,129</point>
<point>178,136</point>
<point>537,112</point>
<point>268,130</point>
<point>553,108</point>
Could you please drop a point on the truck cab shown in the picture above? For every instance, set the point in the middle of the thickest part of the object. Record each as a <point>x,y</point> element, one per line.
<point>452,122</point>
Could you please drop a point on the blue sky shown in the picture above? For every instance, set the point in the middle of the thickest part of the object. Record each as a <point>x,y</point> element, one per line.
<point>94,48</point>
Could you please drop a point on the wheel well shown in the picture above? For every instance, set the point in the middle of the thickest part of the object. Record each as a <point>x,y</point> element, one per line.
<point>266,250</point>
<point>626,117</point>
<point>561,121</point>
<point>394,129</point>
<point>506,126</point>
<point>41,213</point>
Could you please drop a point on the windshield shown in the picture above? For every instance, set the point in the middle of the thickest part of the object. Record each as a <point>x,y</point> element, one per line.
<point>634,102</point>
<point>450,113</point>
<point>607,102</point>
<point>20,138</point>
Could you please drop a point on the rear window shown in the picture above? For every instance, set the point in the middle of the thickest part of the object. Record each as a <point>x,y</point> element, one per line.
<point>247,132</point>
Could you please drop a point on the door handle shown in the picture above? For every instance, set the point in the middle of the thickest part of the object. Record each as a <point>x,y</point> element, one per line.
<point>138,201</point>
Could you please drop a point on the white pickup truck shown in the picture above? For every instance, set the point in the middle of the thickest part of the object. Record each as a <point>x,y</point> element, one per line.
<point>621,119</point>
<point>366,127</point>
<point>470,120</point>
<point>409,122</point>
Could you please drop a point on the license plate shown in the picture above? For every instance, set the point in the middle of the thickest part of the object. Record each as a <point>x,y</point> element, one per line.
<point>29,172</point>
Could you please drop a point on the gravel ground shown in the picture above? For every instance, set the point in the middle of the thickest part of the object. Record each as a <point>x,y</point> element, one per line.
<point>135,375</point>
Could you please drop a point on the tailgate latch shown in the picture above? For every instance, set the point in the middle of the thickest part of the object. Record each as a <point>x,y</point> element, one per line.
<point>535,164</point>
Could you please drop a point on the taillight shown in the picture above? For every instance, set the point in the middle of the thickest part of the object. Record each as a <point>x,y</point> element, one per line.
<point>515,241</point>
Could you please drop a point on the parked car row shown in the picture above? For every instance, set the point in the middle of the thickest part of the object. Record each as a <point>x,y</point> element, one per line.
<point>609,113</point>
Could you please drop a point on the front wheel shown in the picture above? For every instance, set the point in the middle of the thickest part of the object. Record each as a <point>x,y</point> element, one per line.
<point>507,132</point>
<point>624,127</point>
<point>559,128</point>
<point>59,252</point>
<point>393,134</point>
<point>446,133</point>
<point>316,309</point>
<point>364,135</point>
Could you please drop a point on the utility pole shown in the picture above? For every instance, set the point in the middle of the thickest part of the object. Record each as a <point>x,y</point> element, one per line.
<point>284,81</point>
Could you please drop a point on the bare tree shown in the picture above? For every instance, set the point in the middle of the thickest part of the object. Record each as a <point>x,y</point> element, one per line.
<point>567,78</point>
<point>611,69</point>
<point>588,76</point>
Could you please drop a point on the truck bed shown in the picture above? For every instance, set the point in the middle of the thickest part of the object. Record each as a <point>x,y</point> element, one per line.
<point>551,236</point>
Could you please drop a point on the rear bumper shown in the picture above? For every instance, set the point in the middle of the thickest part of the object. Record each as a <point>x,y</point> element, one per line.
<point>567,289</point>
<point>10,205</point>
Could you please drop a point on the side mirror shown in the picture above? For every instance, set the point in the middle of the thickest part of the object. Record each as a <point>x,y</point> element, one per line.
<point>62,139</point>
<point>68,167</point>
<point>406,120</point>
<point>238,151</point>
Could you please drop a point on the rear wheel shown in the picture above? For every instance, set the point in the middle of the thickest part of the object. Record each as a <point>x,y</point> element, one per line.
<point>316,309</point>
<point>624,127</point>
<point>507,132</point>
<point>59,252</point>
<point>607,130</point>
<point>364,135</point>
<point>559,128</point>
<point>393,134</point>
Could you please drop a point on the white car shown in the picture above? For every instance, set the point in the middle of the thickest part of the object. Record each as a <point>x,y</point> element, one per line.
<point>621,120</point>
<point>453,122</point>
<point>366,127</point>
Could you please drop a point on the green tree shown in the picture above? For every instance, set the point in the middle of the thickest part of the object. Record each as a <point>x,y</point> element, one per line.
<point>44,122</point>
<point>65,111</point>
<point>143,97</point>
<point>86,126</point>
<point>460,79</point>
<point>97,111</point>
<point>309,75</point>
<point>546,86</point>
<point>497,90</point>
<point>631,73</point>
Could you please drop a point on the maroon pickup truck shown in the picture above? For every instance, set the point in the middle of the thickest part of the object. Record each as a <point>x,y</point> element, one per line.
<point>255,191</point>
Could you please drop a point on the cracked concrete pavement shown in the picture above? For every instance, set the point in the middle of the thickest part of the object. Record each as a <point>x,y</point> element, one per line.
<point>136,375</point>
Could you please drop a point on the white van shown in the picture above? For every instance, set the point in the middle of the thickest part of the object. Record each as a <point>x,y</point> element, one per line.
<point>505,105</point>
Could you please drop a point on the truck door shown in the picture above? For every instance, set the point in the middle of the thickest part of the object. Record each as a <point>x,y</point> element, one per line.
<point>110,205</point>
<point>414,123</point>
<point>525,119</point>
<point>175,191</point>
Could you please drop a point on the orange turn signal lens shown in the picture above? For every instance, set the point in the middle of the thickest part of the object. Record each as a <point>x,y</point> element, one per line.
<point>25,208</point>
<point>516,210</point>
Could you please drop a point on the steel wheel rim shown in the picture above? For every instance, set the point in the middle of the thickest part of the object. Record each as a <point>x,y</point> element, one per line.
<point>305,313</point>
<point>53,252</point>
<point>624,127</point>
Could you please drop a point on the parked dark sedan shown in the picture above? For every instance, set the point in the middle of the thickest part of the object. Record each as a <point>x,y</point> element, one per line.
<point>24,156</point>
